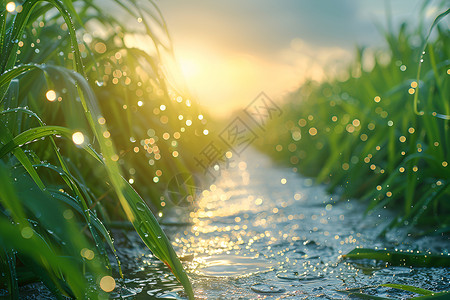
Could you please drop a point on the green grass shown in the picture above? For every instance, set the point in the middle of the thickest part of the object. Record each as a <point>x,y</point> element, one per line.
<point>382,134</point>
<point>423,294</point>
<point>401,258</point>
<point>68,71</point>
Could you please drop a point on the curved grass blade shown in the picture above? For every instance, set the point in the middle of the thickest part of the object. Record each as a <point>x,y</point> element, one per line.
<point>408,288</point>
<point>9,75</point>
<point>435,296</point>
<point>91,220</point>
<point>33,134</point>
<point>400,258</point>
<point>5,137</point>
<point>135,208</point>
<point>356,293</point>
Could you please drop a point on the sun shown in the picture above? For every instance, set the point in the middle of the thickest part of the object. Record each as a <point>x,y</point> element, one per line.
<point>189,67</point>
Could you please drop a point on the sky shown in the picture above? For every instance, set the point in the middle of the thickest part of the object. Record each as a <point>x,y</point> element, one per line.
<point>231,50</point>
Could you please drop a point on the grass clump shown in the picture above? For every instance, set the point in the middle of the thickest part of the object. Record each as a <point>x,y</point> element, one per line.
<point>382,134</point>
<point>89,134</point>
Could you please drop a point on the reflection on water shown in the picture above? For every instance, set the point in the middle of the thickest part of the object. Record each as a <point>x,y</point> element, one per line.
<point>232,265</point>
<point>264,231</point>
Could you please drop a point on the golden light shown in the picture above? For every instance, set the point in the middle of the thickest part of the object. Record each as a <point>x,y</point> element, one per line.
<point>108,284</point>
<point>312,131</point>
<point>51,95</point>
<point>68,214</point>
<point>11,6</point>
<point>78,138</point>
<point>87,253</point>
<point>100,47</point>
<point>189,68</point>
<point>27,232</point>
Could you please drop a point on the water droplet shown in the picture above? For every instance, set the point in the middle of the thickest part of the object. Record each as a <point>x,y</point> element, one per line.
<point>141,206</point>
<point>266,289</point>
<point>288,275</point>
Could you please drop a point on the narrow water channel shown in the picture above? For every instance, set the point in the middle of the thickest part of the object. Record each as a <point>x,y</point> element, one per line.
<point>263,230</point>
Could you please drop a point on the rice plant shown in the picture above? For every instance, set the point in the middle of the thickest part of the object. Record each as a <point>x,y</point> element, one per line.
<point>87,112</point>
<point>381,133</point>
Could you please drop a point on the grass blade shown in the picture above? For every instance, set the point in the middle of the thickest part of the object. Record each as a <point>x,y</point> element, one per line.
<point>397,258</point>
<point>408,288</point>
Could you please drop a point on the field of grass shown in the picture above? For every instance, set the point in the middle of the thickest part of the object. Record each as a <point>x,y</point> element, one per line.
<point>91,132</point>
<point>93,128</point>
<point>380,133</point>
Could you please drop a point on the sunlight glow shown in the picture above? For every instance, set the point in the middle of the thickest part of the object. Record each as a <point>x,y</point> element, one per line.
<point>51,95</point>
<point>223,79</point>
<point>78,138</point>
<point>107,283</point>
<point>11,6</point>
<point>190,68</point>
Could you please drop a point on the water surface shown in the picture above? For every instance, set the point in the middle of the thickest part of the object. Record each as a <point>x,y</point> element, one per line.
<point>263,231</point>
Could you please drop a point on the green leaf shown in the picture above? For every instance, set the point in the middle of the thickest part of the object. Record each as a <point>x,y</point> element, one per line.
<point>356,293</point>
<point>398,258</point>
<point>435,296</point>
<point>9,75</point>
<point>408,288</point>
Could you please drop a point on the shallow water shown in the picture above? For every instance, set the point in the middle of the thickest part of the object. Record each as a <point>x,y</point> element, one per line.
<point>263,231</point>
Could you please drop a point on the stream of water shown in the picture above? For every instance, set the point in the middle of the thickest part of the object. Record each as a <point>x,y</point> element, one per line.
<point>263,231</point>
